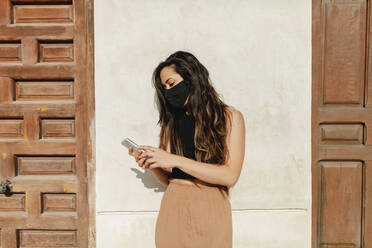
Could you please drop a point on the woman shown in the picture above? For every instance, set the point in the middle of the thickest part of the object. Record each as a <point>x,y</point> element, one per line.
<point>200,156</point>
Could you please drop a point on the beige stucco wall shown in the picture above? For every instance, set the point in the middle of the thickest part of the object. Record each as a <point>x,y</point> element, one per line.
<point>258,54</point>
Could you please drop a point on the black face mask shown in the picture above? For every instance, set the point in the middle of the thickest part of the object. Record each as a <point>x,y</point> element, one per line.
<point>177,95</point>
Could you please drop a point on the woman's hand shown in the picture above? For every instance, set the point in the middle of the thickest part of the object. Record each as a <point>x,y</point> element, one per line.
<point>156,157</point>
<point>136,156</point>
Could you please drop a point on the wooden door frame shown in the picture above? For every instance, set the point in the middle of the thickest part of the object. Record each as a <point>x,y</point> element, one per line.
<point>315,32</point>
<point>90,122</point>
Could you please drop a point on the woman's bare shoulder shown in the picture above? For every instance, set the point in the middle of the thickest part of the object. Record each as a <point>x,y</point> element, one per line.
<point>234,112</point>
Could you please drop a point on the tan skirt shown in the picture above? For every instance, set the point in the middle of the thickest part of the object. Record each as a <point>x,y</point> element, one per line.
<point>193,217</point>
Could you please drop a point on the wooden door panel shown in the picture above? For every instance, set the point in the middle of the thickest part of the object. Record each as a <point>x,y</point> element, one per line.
<point>340,202</point>
<point>341,124</point>
<point>46,111</point>
<point>344,30</point>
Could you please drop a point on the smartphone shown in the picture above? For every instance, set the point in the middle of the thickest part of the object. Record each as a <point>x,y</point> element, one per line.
<point>130,143</point>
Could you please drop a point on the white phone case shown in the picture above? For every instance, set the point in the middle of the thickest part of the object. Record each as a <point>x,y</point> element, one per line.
<point>130,143</point>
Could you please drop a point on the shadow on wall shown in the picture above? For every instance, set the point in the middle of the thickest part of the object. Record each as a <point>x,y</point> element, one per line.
<point>148,180</point>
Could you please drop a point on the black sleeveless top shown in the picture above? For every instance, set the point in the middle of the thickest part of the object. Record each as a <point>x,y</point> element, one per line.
<point>186,125</point>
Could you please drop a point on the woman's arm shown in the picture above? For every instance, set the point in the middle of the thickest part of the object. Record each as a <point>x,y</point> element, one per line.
<point>162,174</point>
<point>227,174</point>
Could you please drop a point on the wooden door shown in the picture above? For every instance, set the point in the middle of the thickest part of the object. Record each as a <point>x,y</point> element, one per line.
<point>46,123</point>
<point>341,124</point>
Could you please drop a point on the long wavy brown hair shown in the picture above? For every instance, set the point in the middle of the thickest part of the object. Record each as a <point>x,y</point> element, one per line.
<point>205,104</point>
